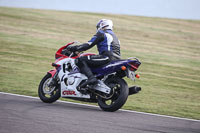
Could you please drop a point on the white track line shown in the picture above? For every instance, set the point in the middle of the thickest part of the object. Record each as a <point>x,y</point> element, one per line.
<point>130,111</point>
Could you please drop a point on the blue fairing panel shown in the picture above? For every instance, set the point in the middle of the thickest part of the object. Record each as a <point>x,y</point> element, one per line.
<point>114,66</point>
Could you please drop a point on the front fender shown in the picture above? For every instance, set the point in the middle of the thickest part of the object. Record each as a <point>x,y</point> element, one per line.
<point>52,72</point>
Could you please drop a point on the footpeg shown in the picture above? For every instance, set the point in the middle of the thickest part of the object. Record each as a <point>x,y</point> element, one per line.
<point>82,90</point>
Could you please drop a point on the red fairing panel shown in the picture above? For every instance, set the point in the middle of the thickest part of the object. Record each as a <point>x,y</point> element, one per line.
<point>58,53</point>
<point>52,72</point>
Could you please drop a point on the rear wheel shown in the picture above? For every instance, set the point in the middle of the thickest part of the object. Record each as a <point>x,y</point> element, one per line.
<point>48,94</point>
<point>119,95</point>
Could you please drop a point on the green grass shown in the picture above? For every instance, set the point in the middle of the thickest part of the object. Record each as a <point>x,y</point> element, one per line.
<point>169,50</point>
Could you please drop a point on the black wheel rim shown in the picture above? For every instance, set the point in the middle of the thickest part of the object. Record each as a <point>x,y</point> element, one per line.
<point>116,88</point>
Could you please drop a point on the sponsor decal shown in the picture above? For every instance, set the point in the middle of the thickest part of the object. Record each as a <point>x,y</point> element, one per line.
<point>69,92</point>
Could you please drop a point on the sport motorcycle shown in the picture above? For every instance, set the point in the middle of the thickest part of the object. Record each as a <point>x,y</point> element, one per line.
<point>111,91</point>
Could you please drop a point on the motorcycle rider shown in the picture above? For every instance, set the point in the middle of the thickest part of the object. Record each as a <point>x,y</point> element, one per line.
<point>108,47</point>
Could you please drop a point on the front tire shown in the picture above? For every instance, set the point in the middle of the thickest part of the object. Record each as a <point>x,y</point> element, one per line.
<point>48,94</point>
<point>120,94</point>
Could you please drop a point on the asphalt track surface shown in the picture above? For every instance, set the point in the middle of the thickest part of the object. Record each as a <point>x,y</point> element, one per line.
<point>19,114</point>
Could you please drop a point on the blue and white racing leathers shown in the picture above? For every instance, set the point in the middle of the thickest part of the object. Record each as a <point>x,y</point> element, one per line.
<point>108,47</point>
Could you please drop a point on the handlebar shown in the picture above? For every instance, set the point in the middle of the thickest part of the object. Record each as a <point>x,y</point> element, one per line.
<point>65,50</point>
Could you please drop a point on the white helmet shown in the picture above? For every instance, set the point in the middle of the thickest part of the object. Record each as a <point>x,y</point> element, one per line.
<point>104,23</point>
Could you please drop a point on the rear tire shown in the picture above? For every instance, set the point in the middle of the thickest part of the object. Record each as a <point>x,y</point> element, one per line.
<point>48,94</point>
<point>120,94</point>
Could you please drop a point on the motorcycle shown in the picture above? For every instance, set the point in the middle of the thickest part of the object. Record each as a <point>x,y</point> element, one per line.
<point>111,91</point>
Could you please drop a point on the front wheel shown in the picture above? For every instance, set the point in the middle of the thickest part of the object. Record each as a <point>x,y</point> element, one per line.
<point>119,95</point>
<point>48,94</point>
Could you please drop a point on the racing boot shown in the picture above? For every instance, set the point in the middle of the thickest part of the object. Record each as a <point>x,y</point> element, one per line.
<point>91,79</point>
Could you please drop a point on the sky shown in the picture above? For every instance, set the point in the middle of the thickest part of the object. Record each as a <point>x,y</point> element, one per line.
<point>182,9</point>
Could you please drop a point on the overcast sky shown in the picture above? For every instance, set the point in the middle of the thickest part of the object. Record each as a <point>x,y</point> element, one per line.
<point>184,9</point>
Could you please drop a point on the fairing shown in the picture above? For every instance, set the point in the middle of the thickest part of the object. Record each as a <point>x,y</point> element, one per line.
<point>115,66</point>
<point>52,72</point>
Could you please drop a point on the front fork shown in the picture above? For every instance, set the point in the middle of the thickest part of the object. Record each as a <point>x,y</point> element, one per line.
<point>54,74</point>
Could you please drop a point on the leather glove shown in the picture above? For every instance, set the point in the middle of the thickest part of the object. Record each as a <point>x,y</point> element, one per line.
<point>73,48</point>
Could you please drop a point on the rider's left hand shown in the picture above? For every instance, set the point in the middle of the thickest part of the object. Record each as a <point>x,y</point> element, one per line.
<point>73,48</point>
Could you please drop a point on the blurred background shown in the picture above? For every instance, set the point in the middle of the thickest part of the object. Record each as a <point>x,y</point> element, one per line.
<point>183,9</point>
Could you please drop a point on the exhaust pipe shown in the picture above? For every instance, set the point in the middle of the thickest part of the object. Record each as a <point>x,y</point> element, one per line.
<point>134,90</point>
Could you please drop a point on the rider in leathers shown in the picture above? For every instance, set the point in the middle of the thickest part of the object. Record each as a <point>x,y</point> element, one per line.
<point>108,46</point>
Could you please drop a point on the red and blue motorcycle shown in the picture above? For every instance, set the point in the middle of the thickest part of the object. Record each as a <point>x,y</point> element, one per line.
<point>111,91</point>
